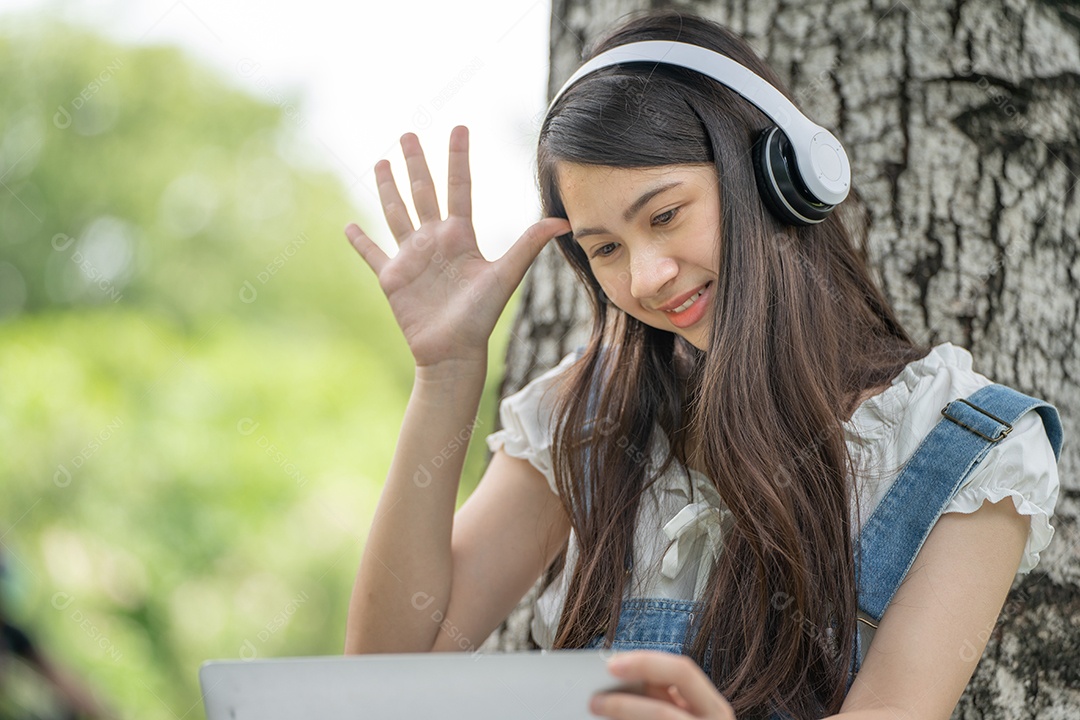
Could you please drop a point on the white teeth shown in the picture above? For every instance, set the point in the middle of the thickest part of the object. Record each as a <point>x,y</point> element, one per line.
<point>688,303</point>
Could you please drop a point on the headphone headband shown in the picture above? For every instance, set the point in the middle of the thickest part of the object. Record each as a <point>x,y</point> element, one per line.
<point>820,158</point>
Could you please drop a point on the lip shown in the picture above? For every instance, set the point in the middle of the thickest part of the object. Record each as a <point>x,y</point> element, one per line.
<point>681,299</point>
<point>695,313</point>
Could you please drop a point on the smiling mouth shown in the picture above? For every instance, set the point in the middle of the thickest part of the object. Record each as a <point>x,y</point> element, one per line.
<point>689,301</point>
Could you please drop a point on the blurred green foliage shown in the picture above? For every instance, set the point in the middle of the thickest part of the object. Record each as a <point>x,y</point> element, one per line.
<point>201,384</point>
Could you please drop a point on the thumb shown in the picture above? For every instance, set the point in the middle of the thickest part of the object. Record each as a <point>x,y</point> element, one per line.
<point>523,252</point>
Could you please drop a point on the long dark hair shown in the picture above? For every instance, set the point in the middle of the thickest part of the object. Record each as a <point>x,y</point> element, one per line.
<point>799,330</point>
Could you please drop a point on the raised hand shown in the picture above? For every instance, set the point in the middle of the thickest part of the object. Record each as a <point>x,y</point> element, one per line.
<point>444,294</point>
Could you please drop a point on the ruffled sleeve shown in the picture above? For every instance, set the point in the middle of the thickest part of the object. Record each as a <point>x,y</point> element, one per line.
<point>1021,467</point>
<point>528,422</point>
<point>885,431</point>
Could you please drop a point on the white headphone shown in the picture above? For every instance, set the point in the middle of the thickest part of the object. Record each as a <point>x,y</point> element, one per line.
<point>801,168</point>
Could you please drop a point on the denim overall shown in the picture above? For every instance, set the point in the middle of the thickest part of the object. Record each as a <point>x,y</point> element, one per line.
<point>892,536</point>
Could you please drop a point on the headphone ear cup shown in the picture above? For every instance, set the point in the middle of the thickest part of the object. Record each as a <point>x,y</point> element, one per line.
<point>782,189</point>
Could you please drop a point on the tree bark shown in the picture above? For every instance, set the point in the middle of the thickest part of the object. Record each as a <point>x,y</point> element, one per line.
<point>962,122</point>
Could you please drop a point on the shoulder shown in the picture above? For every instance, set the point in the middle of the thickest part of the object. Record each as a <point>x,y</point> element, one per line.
<point>885,432</point>
<point>885,429</point>
<point>539,391</point>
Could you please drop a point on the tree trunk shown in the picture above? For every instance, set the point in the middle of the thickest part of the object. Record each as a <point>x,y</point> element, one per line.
<point>962,122</point>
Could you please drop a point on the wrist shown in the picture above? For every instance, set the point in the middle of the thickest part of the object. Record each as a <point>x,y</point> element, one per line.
<point>453,370</point>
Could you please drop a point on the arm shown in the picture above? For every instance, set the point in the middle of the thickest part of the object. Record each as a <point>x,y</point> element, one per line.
<point>933,633</point>
<point>406,562</point>
<point>505,535</point>
<point>430,580</point>
<point>447,298</point>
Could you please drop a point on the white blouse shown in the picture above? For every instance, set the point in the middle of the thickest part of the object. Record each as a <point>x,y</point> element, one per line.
<point>679,535</point>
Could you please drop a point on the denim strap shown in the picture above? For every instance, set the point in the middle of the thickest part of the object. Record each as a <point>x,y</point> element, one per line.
<point>900,524</point>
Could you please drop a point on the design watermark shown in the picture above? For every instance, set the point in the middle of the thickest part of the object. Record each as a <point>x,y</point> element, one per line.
<point>93,274</point>
<point>62,477</point>
<point>248,292</point>
<point>249,650</point>
<point>422,601</point>
<point>248,426</point>
<point>460,441</point>
<point>63,116</point>
<point>62,601</point>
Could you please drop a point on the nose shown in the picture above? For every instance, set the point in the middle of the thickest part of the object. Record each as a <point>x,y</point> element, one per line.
<point>650,271</point>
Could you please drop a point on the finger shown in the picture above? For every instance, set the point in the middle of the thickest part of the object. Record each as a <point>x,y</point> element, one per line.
<point>459,180</point>
<point>516,260</point>
<point>677,697</point>
<point>423,187</point>
<point>663,668</point>
<point>397,215</point>
<point>372,253</point>
<point>669,694</point>
<point>627,706</point>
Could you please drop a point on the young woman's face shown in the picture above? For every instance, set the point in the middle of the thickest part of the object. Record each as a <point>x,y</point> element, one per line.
<point>651,238</point>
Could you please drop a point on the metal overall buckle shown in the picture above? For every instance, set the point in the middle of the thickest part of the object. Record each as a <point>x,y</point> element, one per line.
<point>1000,436</point>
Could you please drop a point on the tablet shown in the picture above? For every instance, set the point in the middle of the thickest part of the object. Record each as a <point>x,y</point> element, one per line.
<point>540,685</point>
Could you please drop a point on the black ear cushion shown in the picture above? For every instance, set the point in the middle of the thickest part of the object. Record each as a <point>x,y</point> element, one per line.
<point>782,189</point>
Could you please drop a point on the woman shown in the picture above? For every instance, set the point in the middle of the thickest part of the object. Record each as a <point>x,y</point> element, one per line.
<point>729,469</point>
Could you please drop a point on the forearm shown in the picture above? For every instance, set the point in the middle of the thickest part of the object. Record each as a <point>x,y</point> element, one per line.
<point>879,713</point>
<point>403,584</point>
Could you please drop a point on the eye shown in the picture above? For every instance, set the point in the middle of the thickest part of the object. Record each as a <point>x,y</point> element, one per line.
<point>600,250</point>
<point>670,212</point>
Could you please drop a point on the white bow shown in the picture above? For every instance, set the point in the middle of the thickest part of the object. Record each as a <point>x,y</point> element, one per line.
<point>706,517</point>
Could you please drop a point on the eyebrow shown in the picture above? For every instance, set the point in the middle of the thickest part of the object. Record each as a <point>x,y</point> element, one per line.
<point>631,211</point>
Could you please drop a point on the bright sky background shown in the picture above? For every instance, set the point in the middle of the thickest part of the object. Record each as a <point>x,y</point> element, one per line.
<point>356,76</point>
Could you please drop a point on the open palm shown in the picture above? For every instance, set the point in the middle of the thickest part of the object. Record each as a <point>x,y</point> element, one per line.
<point>444,294</point>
